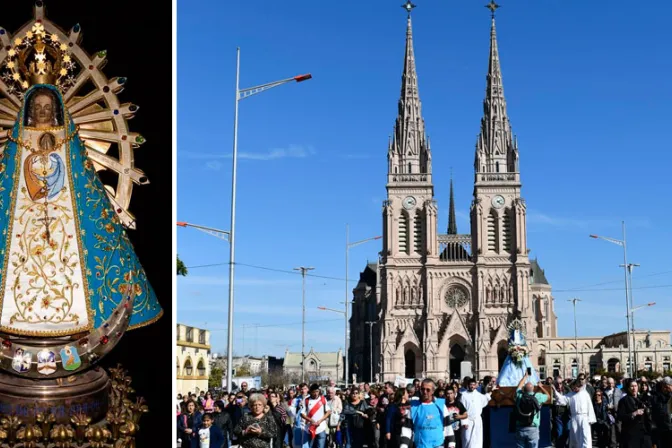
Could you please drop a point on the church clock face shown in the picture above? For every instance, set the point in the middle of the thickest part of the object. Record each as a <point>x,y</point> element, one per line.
<point>456,297</point>
<point>409,202</point>
<point>498,202</point>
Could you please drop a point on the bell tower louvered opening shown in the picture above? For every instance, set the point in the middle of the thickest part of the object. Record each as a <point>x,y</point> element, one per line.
<point>418,232</point>
<point>492,232</point>
<point>403,234</point>
<point>506,231</point>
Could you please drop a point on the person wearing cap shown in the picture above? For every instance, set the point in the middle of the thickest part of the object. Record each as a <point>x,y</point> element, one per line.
<point>315,414</point>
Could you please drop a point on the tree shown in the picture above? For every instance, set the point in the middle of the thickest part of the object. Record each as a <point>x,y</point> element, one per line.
<point>243,370</point>
<point>181,268</point>
<point>279,378</point>
<point>648,375</point>
<point>215,379</point>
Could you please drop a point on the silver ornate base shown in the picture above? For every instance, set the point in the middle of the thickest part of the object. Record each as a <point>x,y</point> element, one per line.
<point>84,393</point>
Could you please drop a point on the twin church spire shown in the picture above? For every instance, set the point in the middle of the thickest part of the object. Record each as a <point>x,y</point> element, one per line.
<point>409,151</point>
<point>496,147</point>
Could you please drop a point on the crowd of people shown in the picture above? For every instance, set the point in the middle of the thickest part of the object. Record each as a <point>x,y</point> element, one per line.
<point>602,412</point>
<point>614,413</point>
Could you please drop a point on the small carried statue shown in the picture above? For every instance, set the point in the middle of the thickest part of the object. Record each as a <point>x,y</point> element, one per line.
<point>517,362</point>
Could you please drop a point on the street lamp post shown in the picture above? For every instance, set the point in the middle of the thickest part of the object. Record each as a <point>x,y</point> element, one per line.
<point>637,308</point>
<point>633,330</point>
<point>303,270</point>
<point>623,244</point>
<point>241,94</point>
<point>576,337</point>
<point>632,319</point>
<point>324,308</point>
<point>221,234</point>
<point>370,324</point>
<point>348,245</point>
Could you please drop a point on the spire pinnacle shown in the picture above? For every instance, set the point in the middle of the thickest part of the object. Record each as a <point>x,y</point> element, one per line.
<point>452,222</point>
<point>409,153</point>
<point>496,149</point>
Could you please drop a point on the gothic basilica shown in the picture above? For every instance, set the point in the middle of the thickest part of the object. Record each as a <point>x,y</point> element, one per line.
<point>445,299</point>
<point>438,305</point>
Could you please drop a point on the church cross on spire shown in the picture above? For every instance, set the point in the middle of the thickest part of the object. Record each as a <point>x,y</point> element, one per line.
<point>492,6</point>
<point>408,6</point>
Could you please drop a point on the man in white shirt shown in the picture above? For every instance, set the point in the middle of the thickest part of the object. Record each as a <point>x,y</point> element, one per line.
<point>314,413</point>
<point>472,426</point>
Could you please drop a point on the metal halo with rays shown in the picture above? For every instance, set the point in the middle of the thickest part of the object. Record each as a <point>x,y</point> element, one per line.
<point>517,324</point>
<point>91,99</point>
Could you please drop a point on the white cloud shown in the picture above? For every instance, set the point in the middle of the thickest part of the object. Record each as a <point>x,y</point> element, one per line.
<point>291,151</point>
<point>593,224</point>
<point>214,165</point>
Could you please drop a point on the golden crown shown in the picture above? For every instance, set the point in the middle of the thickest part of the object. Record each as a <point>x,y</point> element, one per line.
<point>38,58</point>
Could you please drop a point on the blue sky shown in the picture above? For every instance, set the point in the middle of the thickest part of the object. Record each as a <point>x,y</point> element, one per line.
<point>587,93</point>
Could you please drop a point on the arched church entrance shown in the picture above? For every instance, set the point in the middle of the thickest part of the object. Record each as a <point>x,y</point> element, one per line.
<point>502,353</point>
<point>456,357</point>
<point>409,359</point>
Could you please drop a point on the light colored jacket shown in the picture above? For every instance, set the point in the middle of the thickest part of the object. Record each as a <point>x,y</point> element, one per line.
<point>336,405</point>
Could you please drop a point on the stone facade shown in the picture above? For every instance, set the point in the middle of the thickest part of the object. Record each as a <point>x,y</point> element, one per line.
<point>256,366</point>
<point>441,299</point>
<point>319,365</point>
<point>559,355</point>
<point>193,359</point>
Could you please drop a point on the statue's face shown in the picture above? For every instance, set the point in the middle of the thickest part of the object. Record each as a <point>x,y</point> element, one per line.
<point>43,111</point>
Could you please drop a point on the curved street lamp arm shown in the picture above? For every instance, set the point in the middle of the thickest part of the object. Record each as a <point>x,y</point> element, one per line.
<point>221,234</point>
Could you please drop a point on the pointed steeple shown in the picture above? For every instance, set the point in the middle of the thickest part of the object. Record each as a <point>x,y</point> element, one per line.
<point>452,222</point>
<point>409,151</point>
<point>496,148</point>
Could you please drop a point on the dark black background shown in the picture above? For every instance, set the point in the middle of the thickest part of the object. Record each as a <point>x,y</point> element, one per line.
<point>137,35</point>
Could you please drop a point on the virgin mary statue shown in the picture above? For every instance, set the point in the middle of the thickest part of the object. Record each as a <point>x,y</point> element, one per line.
<point>517,361</point>
<point>69,270</point>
